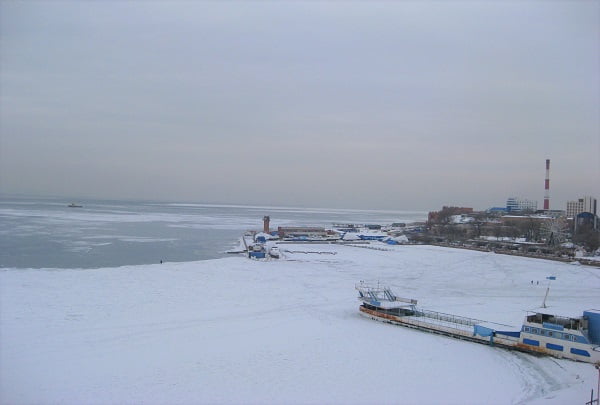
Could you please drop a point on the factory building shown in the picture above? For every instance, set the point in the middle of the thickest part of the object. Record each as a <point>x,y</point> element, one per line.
<point>301,232</point>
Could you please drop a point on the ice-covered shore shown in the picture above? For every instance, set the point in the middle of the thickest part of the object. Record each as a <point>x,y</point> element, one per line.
<point>283,331</point>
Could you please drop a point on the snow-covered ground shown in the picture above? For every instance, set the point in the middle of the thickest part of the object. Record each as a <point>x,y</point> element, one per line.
<point>236,330</point>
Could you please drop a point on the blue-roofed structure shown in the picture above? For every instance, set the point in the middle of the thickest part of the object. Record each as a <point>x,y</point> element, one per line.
<point>593,318</point>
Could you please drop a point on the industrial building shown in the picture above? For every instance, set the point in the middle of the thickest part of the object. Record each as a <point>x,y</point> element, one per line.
<point>301,232</point>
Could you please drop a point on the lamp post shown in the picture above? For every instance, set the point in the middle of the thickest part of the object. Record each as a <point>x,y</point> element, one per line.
<point>598,391</point>
<point>550,278</point>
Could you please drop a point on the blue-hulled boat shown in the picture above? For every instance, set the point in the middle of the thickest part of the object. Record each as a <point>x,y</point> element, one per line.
<point>575,338</point>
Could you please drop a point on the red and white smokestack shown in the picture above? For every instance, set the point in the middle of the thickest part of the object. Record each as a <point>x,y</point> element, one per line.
<point>547,187</point>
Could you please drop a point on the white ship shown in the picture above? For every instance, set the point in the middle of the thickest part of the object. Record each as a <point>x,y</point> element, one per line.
<point>575,338</point>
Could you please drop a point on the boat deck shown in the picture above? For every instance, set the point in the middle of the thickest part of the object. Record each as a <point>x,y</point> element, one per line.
<point>445,324</point>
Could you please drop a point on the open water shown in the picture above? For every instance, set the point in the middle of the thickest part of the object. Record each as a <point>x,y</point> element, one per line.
<point>46,233</point>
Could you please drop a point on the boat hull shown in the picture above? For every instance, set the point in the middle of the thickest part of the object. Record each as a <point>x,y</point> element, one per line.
<point>496,339</point>
<point>415,323</point>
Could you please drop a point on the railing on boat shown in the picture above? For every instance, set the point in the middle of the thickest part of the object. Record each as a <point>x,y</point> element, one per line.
<point>421,316</point>
<point>454,319</point>
<point>378,292</point>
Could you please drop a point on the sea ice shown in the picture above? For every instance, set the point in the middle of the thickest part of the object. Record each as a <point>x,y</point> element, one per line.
<point>236,330</point>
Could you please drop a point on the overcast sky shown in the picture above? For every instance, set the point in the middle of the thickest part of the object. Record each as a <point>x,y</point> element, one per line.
<point>374,105</point>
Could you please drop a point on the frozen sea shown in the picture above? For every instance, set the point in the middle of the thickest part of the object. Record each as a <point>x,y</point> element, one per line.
<point>209,328</point>
<point>239,331</point>
<point>43,233</point>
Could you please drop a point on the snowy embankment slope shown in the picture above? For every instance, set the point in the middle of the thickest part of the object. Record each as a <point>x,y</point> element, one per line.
<point>288,331</point>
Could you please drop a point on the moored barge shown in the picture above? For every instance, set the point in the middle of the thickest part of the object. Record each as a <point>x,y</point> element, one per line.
<point>575,338</point>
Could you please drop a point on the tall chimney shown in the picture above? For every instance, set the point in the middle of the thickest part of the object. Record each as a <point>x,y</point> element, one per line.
<point>266,220</point>
<point>547,187</point>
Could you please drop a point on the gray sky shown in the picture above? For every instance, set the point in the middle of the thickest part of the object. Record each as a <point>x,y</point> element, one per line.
<point>393,105</point>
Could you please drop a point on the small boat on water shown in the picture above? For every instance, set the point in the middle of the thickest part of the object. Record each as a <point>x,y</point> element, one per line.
<point>73,205</point>
<point>575,338</point>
